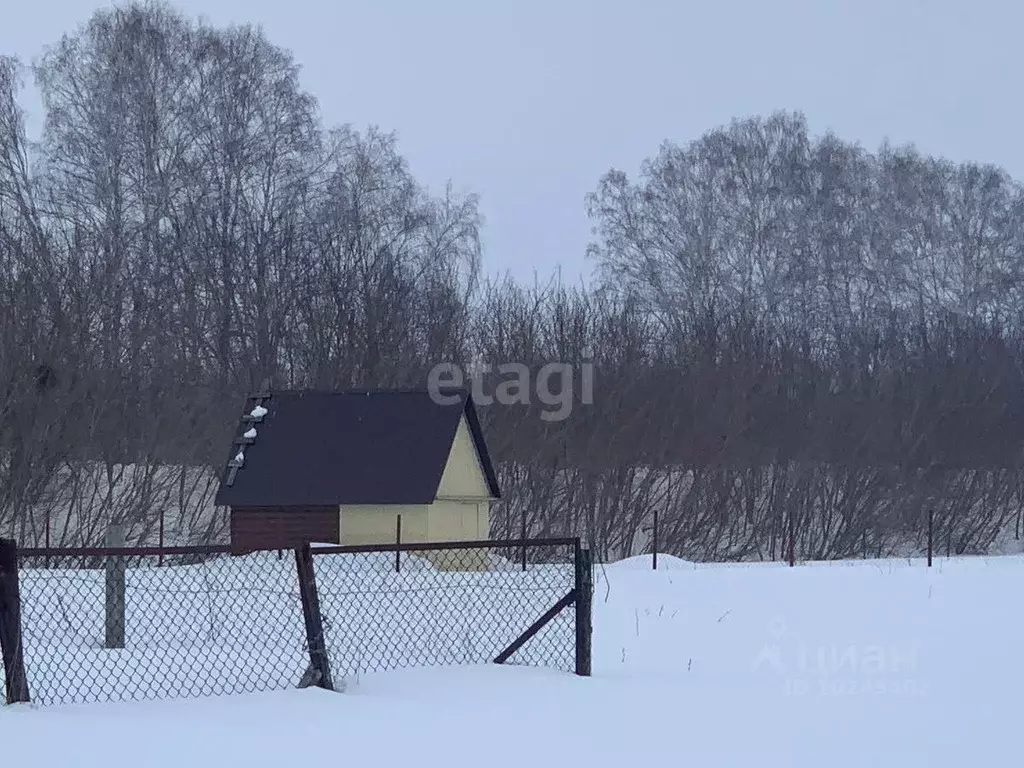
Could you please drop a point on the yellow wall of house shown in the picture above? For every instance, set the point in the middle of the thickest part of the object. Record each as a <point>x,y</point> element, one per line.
<point>483,519</point>
<point>463,476</point>
<point>448,520</point>
<point>453,520</point>
<point>376,524</point>
<point>444,520</point>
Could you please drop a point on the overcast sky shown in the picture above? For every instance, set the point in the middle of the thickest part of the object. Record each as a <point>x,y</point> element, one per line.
<point>529,102</point>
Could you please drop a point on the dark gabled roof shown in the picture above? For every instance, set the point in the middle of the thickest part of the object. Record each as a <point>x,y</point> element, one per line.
<point>352,447</point>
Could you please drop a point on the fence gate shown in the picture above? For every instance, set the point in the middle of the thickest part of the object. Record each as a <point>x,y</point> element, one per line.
<point>452,603</point>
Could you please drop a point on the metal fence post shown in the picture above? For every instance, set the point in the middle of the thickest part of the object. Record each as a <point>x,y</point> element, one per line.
<point>115,578</point>
<point>160,560</point>
<point>319,664</point>
<point>584,610</point>
<point>791,544</point>
<point>522,535</point>
<point>931,535</point>
<point>654,542</point>
<point>398,544</point>
<point>11,648</point>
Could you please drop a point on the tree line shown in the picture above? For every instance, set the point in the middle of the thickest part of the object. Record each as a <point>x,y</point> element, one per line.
<point>792,337</point>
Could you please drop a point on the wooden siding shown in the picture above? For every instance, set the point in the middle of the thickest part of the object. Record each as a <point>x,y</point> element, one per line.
<point>463,476</point>
<point>255,528</point>
<point>376,524</point>
<point>451,520</point>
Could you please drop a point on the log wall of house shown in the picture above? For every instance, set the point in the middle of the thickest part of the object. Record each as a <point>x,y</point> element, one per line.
<point>255,528</point>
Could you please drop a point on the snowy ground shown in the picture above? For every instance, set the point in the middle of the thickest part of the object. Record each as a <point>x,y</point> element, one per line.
<point>854,664</point>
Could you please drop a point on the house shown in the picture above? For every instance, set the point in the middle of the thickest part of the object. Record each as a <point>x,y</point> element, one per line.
<point>342,466</point>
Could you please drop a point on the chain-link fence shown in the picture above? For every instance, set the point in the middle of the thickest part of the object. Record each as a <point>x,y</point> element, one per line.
<point>445,605</point>
<point>99,626</point>
<point>125,624</point>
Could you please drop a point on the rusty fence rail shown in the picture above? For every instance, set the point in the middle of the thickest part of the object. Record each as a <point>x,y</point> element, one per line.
<point>116,624</point>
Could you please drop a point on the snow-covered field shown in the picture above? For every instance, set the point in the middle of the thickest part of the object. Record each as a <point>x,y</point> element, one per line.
<point>869,663</point>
